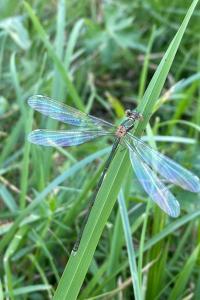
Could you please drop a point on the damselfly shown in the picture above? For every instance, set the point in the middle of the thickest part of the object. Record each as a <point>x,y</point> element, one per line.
<point>146,161</point>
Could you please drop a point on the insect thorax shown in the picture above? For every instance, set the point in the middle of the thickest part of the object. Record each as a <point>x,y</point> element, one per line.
<point>121,131</point>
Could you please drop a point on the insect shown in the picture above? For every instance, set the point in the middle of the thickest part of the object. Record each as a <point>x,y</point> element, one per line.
<point>145,161</point>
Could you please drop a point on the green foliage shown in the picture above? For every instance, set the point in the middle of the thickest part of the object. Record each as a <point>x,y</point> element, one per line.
<point>101,57</point>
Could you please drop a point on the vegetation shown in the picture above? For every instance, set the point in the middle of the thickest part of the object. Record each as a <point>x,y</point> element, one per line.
<point>101,57</point>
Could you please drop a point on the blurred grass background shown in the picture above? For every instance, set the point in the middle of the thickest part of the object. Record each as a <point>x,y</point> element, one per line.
<point>97,56</point>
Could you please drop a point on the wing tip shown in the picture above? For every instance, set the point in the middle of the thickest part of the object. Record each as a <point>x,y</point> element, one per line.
<point>175,214</point>
<point>196,187</point>
<point>175,211</point>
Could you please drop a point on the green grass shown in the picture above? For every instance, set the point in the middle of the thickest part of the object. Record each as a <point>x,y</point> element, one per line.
<point>100,59</point>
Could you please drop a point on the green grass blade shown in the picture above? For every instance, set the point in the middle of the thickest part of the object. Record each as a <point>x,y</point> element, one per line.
<point>8,255</point>
<point>184,276</point>
<point>77,266</point>
<point>8,199</point>
<point>15,79</point>
<point>25,162</point>
<point>73,38</point>
<point>11,140</point>
<point>1,291</point>
<point>143,77</point>
<point>58,84</point>
<point>142,241</point>
<point>131,252</point>
<point>187,123</point>
<point>115,249</point>
<point>40,270</point>
<point>71,89</point>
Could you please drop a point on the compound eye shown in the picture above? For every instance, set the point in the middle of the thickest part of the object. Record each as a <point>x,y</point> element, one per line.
<point>140,116</point>
<point>128,112</point>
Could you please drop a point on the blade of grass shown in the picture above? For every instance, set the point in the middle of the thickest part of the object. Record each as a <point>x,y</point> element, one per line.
<point>115,249</point>
<point>26,151</point>
<point>182,244</point>
<point>72,42</point>
<point>142,241</point>
<point>7,198</point>
<point>184,275</point>
<point>11,140</point>
<point>93,282</point>
<point>15,80</point>
<point>144,72</point>
<point>8,255</point>
<point>130,248</point>
<point>1,291</point>
<point>158,255</point>
<point>25,162</point>
<point>58,85</point>
<point>76,269</point>
<point>41,243</point>
<point>117,241</point>
<point>71,89</point>
<point>25,291</point>
<point>40,270</point>
<point>187,123</point>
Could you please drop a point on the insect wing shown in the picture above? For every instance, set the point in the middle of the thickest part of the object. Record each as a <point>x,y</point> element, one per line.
<point>66,114</point>
<point>166,167</point>
<point>63,138</point>
<point>153,186</point>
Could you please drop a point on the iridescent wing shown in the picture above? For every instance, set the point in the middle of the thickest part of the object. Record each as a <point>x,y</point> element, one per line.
<point>66,114</point>
<point>165,166</point>
<point>63,138</point>
<point>153,186</point>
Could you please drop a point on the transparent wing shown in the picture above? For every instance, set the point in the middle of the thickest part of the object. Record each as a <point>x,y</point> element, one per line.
<point>156,190</point>
<point>63,138</point>
<point>165,166</point>
<point>64,113</point>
